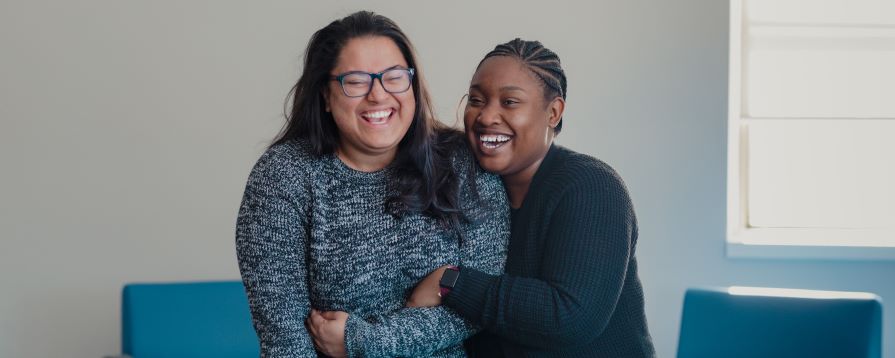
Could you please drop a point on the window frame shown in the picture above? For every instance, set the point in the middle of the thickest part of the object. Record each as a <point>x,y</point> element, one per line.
<point>743,241</point>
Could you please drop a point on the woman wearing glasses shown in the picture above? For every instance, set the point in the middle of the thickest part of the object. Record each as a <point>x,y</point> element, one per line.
<point>361,196</point>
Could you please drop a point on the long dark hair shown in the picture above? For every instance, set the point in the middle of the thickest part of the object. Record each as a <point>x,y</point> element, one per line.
<point>542,62</point>
<point>425,179</point>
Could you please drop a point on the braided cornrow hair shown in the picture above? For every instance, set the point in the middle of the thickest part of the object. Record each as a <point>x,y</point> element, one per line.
<point>542,62</point>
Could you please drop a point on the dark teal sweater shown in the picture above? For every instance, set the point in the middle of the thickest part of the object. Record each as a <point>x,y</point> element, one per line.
<point>571,287</point>
<point>314,233</point>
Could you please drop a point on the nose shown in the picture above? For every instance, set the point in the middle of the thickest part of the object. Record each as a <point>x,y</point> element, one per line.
<point>377,92</point>
<point>489,115</point>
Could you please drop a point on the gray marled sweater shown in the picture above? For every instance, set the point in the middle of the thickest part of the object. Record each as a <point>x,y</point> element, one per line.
<point>313,232</point>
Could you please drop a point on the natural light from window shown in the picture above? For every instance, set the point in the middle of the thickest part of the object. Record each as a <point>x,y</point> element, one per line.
<point>811,143</point>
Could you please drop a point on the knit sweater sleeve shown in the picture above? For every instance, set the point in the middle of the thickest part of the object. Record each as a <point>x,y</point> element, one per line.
<point>422,331</point>
<point>270,235</point>
<point>588,245</point>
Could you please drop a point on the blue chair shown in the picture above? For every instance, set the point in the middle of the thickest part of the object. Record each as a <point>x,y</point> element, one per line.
<point>173,320</point>
<point>761,322</point>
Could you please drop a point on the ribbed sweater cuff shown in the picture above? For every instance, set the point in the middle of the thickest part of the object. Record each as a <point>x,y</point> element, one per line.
<point>470,294</point>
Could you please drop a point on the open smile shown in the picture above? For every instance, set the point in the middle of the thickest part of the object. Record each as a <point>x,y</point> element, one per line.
<point>378,117</point>
<point>489,143</point>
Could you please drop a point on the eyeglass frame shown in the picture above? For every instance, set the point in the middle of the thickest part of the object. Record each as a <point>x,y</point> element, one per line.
<point>373,77</point>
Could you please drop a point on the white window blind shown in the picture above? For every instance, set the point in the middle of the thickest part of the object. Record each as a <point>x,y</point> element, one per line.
<point>812,123</point>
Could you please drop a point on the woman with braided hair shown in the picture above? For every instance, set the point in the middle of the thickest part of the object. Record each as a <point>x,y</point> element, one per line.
<point>571,287</point>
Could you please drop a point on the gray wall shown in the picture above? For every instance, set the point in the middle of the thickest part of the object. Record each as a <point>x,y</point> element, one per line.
<point>127,130</point>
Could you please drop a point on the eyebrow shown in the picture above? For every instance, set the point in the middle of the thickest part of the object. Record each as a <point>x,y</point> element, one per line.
<point>512,88</point>
<point>390,68</point>
<point>502,89</point>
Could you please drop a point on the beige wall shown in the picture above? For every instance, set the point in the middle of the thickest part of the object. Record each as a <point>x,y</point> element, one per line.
<point>127,129</point>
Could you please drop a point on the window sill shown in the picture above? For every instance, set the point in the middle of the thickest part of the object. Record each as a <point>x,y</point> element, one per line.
<point>846,253</point>
<point>812,244</point>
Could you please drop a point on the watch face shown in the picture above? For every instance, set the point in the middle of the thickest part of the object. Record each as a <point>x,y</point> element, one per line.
<point>449,278</point>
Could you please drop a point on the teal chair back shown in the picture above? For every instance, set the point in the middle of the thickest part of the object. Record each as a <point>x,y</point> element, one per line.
<point>758,322</point>
<point>199,319</point>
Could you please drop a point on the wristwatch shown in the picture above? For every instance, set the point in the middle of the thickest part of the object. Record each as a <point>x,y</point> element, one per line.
<point>448,280</point>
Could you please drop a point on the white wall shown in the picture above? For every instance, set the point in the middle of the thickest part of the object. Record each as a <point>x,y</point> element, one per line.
<point>127,130</point>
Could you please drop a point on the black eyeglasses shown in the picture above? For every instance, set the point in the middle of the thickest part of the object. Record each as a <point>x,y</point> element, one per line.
<point>359,83</point>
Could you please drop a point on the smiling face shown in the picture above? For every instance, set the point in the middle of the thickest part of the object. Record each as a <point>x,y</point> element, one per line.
<point>509,124</point>
<point>370,126</point>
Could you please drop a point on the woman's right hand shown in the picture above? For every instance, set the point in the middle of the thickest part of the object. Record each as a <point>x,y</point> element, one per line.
<point>327,330</point>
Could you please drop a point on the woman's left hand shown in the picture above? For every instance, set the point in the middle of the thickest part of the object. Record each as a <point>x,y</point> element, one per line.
<point>327,329</point>
<point>426,293</point>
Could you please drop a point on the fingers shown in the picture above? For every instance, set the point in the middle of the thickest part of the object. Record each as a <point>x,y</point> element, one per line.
<point>312,328</point>
<point>326,326</point>
<point>314,323</point>
<point>334,315</point>
<point>317,345</point>
<point>316,318</point>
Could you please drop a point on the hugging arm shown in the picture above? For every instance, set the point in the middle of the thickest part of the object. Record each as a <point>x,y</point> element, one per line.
<point>423,330</point>
<point>589,243</point>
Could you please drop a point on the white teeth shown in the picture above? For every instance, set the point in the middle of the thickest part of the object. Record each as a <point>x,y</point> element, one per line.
<point>377,114</point>
<point>494,138</point>
<point>492,141</point>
